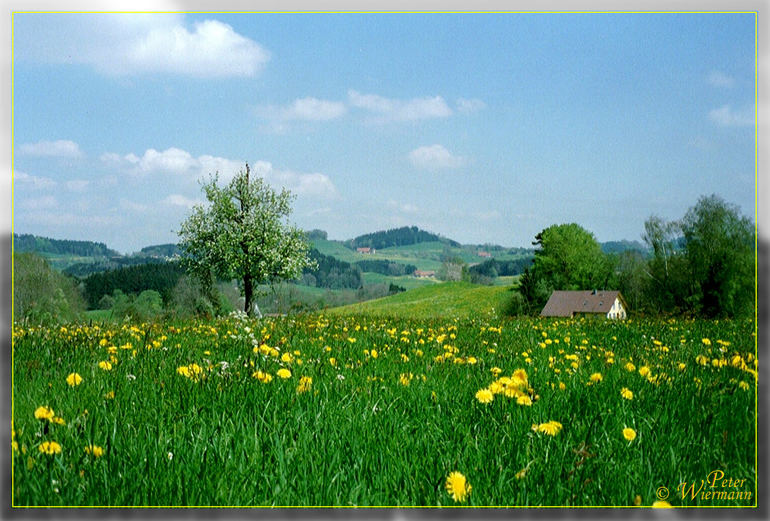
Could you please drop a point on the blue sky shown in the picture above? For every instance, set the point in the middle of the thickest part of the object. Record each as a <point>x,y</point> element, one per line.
<point>480,127</point>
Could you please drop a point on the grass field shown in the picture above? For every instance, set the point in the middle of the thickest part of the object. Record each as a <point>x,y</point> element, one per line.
<point>354,410</point>
<point>447,300</point>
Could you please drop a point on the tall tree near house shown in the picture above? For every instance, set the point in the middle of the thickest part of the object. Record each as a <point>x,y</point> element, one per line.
<point>243,234</point>
<point>719,245</point>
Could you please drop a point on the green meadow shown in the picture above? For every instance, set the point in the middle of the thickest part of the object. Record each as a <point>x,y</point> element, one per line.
<point>375,410</point>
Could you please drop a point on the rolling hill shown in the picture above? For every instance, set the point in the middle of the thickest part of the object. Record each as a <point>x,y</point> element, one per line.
<point>450,299</point>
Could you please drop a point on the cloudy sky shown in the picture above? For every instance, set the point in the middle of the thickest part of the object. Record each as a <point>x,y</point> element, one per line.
<point>480,127</point>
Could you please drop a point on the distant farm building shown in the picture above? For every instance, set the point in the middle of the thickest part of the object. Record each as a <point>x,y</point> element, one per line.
<point>423,274</point>
<point>366,251</point>
<point>570,303</point>
<point>484,254</point>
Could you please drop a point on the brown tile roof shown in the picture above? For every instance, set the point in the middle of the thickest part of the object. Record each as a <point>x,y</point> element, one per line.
<point>565,303</point>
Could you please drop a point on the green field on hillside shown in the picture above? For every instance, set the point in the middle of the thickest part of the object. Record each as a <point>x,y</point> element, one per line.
<point>448,299</point>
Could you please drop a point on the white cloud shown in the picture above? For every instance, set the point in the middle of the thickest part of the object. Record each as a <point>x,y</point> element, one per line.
<point>726,116</point>
<point>122,44</point>
<point>170,161</point>
<point>34,182</point>
<point>435,157</point>
<point>180,200</point>
<point>313,109</point>
<point>314,185</point>
<point>180,162</point>
<point>59,148</point>
<point>389,109</point>
<point>468,106</point>
<point>211,49</point>
<point>720,79</point>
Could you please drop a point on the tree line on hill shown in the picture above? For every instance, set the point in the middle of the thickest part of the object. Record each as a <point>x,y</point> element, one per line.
<point>404,236</point>
<point>25,243</point>
<point>702,264</point>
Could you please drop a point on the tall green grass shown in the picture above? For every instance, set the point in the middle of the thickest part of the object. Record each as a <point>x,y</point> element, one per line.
<point>359,435</point>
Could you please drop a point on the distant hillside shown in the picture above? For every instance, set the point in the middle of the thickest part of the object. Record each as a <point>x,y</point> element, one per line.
<point>32,243</point>
<point>162,250</point>
<point>404,236</point>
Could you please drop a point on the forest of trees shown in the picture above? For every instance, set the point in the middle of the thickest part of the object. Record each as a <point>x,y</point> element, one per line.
<point>386,267</point>
<point>160,277</point>
<point>31,243</point>
<point>330,272</point>
<point>404,236</point>
<point>487,271</point>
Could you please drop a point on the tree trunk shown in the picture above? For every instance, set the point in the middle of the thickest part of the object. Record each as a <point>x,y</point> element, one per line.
<point>248,293</point>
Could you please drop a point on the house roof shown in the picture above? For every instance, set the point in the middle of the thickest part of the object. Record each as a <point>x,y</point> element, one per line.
<point>565,303</point>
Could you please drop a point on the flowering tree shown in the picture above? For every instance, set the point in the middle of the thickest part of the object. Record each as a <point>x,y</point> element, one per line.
<point>243,234</point>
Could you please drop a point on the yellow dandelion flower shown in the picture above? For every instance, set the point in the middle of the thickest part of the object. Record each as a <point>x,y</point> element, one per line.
<point>512,392</point>
<point>629,434</point>
<point>44,413</point>
<point>562,386</point>
<point>706,341</point>
<point>630,367</point>
<point>373,353</point>
<point>626,393</point>
<point>485,396</point>
<point>58,420</point>
<point>550,428</point>
<point>74,379</point>
<point>524,400</point>
<point>105,366</point>
<point>596,378</point>
<point>110,395</point>
<point>95,451</point>
<point>644,370</point>
<point>496,371</point>
<point>283,373</point>
<point>50,448</point>
<point>457,486</point>
<point>744,386</point>
<point>304,384</point>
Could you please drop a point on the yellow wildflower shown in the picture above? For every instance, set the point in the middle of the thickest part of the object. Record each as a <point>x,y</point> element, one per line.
<point>283,373</point>
<point>550,428</point>
<point>629,434</point>
<point>485,396</point>
<point>627,393</point>
<point>304,384</point>
<point>74,379</point>
<point>44,413</point>
<point>457,486</point>
<point>50,448</point>
<point>95,451</point>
